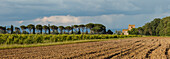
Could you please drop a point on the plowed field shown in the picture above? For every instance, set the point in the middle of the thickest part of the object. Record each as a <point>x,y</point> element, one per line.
<point>131,48</point>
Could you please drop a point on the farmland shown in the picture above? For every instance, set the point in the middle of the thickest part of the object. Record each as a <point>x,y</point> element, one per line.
<point>138,47</point>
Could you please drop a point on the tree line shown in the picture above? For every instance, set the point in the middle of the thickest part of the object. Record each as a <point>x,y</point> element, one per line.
<point>157,27</point>
<point>74,29</point>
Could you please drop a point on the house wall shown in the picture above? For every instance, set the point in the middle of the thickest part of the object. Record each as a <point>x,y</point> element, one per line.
<point>125,31</point>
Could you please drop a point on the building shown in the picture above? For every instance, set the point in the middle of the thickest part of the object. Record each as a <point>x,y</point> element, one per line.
<point>131,26</point>
<point>125,31</point>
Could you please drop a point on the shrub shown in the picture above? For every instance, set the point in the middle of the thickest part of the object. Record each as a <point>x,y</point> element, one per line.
<point>29,40</point>
<point>75,37</point>
<point>10,40</point>
<point>54,39</point>
<point>39,38</point>
<point>80,37</point>
<point>91,36</point>
<point>87,37</point>
<point>2,41</point>
<point>69,38</point>
<point>16,40</point>
<point>46,37</point>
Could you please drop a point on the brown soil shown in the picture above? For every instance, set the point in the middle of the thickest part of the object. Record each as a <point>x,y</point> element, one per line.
<point>131,48</point>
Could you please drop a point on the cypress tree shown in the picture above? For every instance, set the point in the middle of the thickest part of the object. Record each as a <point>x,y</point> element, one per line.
<point>33,30</point>
<point>5,29</point>
<point>12,28</point>
<point>49,32</point>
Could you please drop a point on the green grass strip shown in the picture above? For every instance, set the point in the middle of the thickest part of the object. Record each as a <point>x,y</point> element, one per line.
<point>54,43</point>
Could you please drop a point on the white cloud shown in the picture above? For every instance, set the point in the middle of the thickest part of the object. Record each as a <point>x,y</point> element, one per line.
<point>20,21</point>
<point>112,13</point>
<point>64,20</point>
<point>113,21</point>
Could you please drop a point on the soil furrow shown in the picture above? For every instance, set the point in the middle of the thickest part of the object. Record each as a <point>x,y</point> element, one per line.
<point>128,48</point>
<point>99,51</point>
<point>151,50</point>
<point>166,52</point>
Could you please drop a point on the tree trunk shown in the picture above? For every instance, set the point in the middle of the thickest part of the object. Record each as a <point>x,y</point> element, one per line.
<point>30,31</point>
<point>75,30</point>
<point>64,32</point>
<point>41,31</point>
<point>56,31</point>
<point>45,31</point>
<point>33,30</point>
<point>72,31</point>
<point>61,31</point>
<point>82,31</point>
<point>86,30</point>
<point>53,31</point>
<point>49,29</point>
<point>68,31</point>
<point>90,31</point>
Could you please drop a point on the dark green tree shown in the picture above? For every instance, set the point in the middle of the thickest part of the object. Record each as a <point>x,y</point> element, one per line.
<point>30,27</point>
<point>118,32</point>
<point>3,29</point>
<point>8,30</point>
<point>45,28</point>
<point>90,26</point>
<point>140,30</point>
<point>49,31</point>
<point>75,28</point>
<point>56,29</point>
<point>23,28</point>
<point>163,27</point>
<point>53,27</point>
<point>39,28</point>
<point>134,31</point>
<point>156,27</point>
<point>109,32</point>
<point>12,29</point>
<point>82,27</point>
<point>68,28</point>
<point>99,29</point>
<point>72,27</point>
<point>61,29</point>
<point>17,30</point>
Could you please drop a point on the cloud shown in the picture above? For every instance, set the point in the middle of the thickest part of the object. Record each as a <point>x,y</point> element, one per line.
<point>118,21</point>
<point>65,7</point>
<point>60,20</point>
<point>20,21</point>
<point>113,21</point>
<point>112,13</point>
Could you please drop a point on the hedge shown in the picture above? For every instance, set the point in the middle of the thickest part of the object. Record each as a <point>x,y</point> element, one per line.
<point>44,38</point>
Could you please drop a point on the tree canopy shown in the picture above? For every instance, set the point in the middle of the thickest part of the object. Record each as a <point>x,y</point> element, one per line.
<point>157,27</point>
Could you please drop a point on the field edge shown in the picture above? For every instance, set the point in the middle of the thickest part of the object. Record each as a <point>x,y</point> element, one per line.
<point>55,43</point>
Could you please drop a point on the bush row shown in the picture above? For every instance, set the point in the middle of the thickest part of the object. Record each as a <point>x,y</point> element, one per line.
<point>40,38</point>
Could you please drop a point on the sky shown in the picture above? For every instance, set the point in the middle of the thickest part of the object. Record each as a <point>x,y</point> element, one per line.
<point>114,14</point>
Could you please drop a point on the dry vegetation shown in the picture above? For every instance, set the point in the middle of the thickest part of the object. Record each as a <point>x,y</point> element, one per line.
<point>141,48</point>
